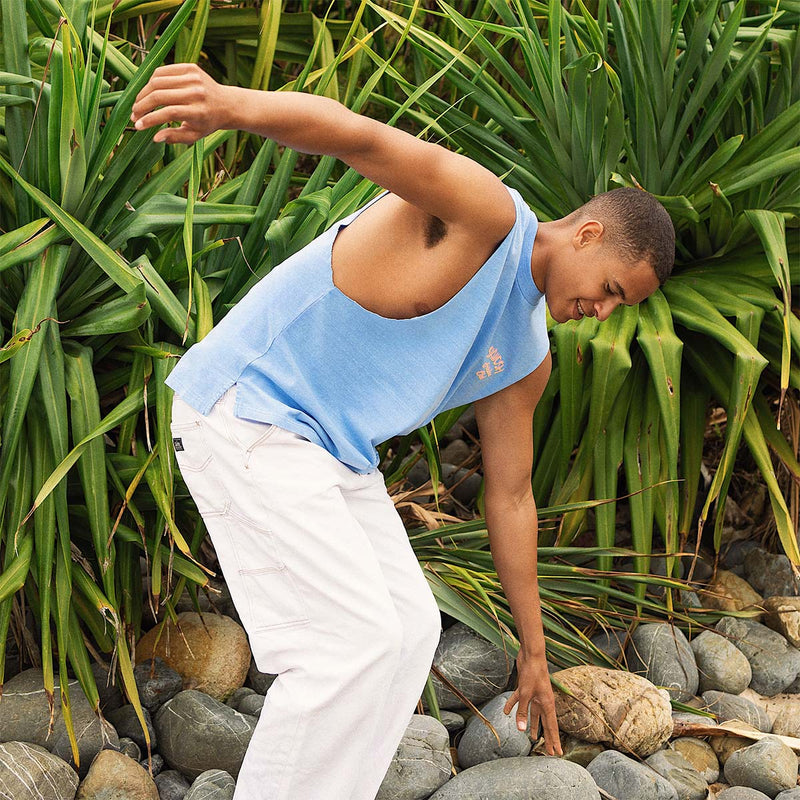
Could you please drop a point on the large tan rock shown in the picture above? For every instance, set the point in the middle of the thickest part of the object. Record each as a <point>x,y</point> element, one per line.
<point>783,615</point>
<point>614,707</point>
<point>783,711</point>
<point>115,776</point>
<point>729,592</point>
<point>211,653</point>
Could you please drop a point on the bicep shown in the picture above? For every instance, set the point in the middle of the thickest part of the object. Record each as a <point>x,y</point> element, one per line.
<point>505,424</point>
<point>442,183</point>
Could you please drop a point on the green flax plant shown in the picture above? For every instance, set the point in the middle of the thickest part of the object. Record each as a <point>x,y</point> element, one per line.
<point>699,104</point>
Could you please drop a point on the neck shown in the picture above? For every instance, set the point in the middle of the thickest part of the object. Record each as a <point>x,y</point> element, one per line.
<point>548,235</point>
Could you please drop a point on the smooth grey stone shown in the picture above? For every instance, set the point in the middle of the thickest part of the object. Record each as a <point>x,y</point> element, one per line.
<point>768,765</point>
<point>688,782</point>
<point>611,642</point>
<point>154,766</point>
<point>774,662</point>
<point>419,474</point>
<point>478,743</point>
<point>695,719</point>
<point>521,778</point>
<point>127,724</point>
<point>25,716</point>
<point>467,487</point>
<point>111,696</point>
<point>770,574</point>
<point>689,599</point>
<point>720,664</point>
<point>171,785</point>
<point>457,452</point>
<point>735,554</point>
<point>29,772</point>
<point>789,794</point>
<point>662,654</point>
<point>452,721</point>
<point>197,732</point>
<point>259,681</point>
<point>627,779</point>
<point>478,668</point>
<point>421,763</point>
<point>130,748</point>
<point>156,683</point>
<point>465,425</point>
<point>239,695</point>
<point>741,793</point>
<point>730,706</point>
<point>213,784</point>
<point>252,705</point>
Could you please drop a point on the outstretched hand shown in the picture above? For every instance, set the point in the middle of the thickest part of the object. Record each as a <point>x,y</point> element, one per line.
<point>181,93</point>
<point>534,691</point>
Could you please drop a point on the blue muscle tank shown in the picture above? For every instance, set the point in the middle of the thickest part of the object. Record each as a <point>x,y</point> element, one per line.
<point>309,359</point>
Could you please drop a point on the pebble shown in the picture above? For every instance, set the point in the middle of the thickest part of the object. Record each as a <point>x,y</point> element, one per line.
<point>783,616</point>
<point>521,778</point>
<point>770,573</point>
<point>197,732</point>
<point>156,683</point>
<point>257,680</point>
<point>700,755</point>
<point>720,664</point>
<point>421,764</point>
<point>626,779</point>
<point>29,772</point>
<point>127,724</point>
<point>478,668</point>
<point>769,766</point>
<point>789,794</point>
<point>213,784</point>
<point>580,752</point>
<point>741,793</point>
<point>129,748</point>
<point>661,652</point>
<point>114,776</point>
<point>729,592</point>
<point>774,662</point>
<point>211,653</point>
<point>479,744</point>
<point>730,706</point>
<point>252,705</point>
<point>688,782</point>
<point>172,785</point>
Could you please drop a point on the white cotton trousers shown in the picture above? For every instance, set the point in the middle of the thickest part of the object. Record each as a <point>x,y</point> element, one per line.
<point>333,599</point>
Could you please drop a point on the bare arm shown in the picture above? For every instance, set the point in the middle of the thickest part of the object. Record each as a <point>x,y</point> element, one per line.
<point>432,178</point>
<point>505,424</point>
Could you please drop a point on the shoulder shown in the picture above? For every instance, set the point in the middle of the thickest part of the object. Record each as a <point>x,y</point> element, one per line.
<point>517,401</point>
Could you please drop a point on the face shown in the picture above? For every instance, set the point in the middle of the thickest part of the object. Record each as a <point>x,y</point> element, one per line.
<point>591,279</point>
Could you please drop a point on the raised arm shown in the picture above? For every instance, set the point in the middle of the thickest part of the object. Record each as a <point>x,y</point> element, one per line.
<point>505,424</point>
<point>432,178</point>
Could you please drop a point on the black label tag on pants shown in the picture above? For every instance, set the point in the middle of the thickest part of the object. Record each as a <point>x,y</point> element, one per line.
<point>177,444</point>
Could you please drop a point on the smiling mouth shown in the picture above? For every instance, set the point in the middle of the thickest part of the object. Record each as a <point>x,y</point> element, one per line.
<point>581,312</point>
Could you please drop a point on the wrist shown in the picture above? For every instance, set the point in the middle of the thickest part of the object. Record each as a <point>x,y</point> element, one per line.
<point>232,103</point>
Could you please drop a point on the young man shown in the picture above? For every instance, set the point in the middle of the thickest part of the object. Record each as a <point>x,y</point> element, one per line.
<point>428,297</point>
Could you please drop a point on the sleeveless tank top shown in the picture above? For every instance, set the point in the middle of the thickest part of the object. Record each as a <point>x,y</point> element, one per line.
<point>311,360</point>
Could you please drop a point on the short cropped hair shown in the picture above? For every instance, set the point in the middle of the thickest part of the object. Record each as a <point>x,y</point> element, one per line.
<point>639,227</point>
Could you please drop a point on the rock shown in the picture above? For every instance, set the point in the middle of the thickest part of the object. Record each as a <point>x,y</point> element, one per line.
<point>156,683</point>
<point>773,661</point>
<point>726,746</point>
<point>457,452</point>
<point>614,707</point>
<point>611,641</point>
<point>217,657</point>
<point>580,752</point>
<point>783,711</point>
<point>213,784</point>
<point>127,724</point>
<point>25,717</point>
<point>478,668</point>
<point>172,785</point>
<point>789,794</point>
<point>110,695</point>
<point>662,654</point>
<point>741,793</point>
<point>452,721</point>
<point>239,695</point>
<point>464,486</point>
<point>478,743</point>
<point>626,779</point>
<point>129,748</point>
<point>29,772</point>
<point>687,781</point>
<point>114,776</point>
<point>729,592</point>
<point>421,764</point>
<point>730,706</point>
<point>783,616</point>
<point>770,574</point>
<point>154,765</point>
<point>769,766</point>
<point>700,755</point>
<point>259,681</point>
<point>521,778</point>
<point>197,732</point>
<point>720,664</point>
<point>252,705</point>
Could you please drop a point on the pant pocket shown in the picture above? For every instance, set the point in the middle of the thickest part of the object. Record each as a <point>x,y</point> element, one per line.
<point>196,463</point>
<point>272,597</point>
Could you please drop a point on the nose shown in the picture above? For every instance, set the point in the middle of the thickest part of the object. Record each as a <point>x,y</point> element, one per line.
<point>604,308</point>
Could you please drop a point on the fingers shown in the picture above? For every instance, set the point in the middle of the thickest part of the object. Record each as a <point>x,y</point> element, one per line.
<point>181,135</point>
<point>540,710</point>
<point>164,97</point>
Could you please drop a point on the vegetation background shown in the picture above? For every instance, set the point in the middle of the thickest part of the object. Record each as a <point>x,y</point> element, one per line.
<point>117,254</point>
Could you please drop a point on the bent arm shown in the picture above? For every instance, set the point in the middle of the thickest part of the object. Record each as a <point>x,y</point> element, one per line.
<point>441,183</point>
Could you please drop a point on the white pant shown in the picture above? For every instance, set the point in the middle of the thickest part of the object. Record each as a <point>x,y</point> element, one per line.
<point>321,571</point>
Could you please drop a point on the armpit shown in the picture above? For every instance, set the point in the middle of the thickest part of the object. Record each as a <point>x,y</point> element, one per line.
<point>435,231</point>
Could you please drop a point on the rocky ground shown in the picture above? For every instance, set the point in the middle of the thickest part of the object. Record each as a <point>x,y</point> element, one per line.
<point>620,735</point>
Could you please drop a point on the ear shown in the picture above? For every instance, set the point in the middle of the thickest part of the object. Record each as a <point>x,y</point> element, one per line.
<point>588,232</point>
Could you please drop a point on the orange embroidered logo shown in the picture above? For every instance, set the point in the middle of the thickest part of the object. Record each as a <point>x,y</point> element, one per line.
<point>494,363</point>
